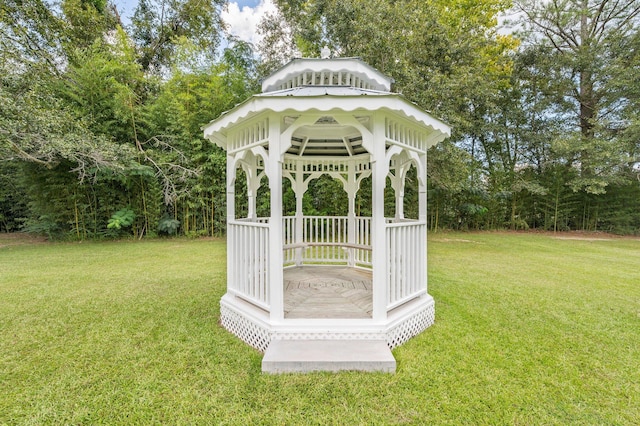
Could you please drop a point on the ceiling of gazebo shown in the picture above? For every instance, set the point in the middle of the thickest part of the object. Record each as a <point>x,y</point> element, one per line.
<point>326,137</point>
<point>324,147</point>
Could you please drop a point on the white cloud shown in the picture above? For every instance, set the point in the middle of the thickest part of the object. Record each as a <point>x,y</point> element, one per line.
<point>243,22</point>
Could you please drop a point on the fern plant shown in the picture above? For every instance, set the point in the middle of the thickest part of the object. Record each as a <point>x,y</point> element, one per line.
<point>168,225</point>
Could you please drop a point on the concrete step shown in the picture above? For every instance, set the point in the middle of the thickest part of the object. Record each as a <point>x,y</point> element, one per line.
<point>302,356</point>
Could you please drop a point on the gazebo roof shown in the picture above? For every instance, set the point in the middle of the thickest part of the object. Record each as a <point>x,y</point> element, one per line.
<point>326,89</point>
<point>323,90</point>
<point>315,71</point>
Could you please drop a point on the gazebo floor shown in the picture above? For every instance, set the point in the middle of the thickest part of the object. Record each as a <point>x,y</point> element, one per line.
<point>327,292</point>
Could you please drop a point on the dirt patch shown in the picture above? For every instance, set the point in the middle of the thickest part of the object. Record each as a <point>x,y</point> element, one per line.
<point>452,240</point>
<point>563,235</point>
<point>13,239</point>
<point>582,238</point>
<point>589,236</point>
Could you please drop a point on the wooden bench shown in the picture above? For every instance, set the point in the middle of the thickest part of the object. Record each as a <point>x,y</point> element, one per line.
<point>318,244</point>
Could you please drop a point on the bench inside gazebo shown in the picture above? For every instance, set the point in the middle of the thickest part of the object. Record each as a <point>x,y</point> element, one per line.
<point>326,292</point>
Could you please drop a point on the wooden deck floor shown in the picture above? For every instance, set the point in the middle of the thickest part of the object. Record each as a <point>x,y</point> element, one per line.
<point>327,292</point>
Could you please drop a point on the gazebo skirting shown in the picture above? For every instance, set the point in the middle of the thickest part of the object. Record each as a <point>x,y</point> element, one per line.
<point>253,308</point>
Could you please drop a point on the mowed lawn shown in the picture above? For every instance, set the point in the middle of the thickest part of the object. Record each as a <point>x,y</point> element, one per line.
<point>530,329</point>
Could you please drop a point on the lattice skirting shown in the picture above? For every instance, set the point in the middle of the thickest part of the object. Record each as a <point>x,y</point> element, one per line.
<point>248,331</point>
<point>411,326</point>
<point>259,336</point>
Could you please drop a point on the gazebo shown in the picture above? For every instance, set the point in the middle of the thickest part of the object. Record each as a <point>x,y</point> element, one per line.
<point>326,280</point>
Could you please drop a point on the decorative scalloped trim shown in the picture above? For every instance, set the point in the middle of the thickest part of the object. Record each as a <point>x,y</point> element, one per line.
<point>410,110</point>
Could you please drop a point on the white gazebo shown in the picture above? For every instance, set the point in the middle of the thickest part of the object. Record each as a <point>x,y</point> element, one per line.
<point>302,278</point>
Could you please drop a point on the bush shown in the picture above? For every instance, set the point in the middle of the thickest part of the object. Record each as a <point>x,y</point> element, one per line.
<point>121,219</point>
<point>168,226</point>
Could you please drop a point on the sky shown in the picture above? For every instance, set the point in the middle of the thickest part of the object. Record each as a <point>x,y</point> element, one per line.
<point>242,16</point>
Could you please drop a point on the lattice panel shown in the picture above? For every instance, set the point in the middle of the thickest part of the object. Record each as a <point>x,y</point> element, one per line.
<point>248,331</point>
<point>411,327</point>
<point>259,337</point>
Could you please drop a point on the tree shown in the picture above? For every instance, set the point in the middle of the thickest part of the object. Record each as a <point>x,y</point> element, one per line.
<point>158,25</point>
<point>586,42</point>
<point>38,127</point>
<point>85,22</point>
<point>195,94</point>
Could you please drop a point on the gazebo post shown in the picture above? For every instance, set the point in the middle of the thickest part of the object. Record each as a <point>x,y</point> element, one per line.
<point>422,188</point>
<point>352,189</point>
<point>422,211</point>
<point>273,169</point>
<point>231,216</point>
<point>397,183</point>
<point>379,170</point>
<point>299,188</point>
<point>253,183</point>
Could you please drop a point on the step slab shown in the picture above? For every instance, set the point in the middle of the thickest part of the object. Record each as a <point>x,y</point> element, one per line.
<point>302,356</point>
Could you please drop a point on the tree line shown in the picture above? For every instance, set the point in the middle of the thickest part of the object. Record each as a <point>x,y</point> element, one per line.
<point>100,122</point>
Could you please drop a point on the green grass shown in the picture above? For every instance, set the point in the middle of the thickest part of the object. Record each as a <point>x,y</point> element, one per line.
<point>529,329</point>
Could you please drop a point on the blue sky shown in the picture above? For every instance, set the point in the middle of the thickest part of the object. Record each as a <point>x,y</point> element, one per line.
<point>242,16</point>
<point>127,7</point>
<point>249,3</point>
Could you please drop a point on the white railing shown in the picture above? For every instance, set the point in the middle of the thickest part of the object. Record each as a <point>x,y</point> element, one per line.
<point>324,229</point>
<point>325,239</point>
<point>324,234</point>
<point>406,257</point>
<point>363,238</point>
<point>289,239</point>
<point>253,220</point>
<point>249,261</point>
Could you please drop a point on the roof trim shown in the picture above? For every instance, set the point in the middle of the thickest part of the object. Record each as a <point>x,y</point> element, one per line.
<point>347,65</point>
<point>216,130</point>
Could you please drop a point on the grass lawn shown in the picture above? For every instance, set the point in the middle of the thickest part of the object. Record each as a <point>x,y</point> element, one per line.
<point>530,329</point>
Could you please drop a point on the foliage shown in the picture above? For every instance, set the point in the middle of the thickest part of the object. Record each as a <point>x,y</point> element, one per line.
<point>13,206</point>
<point>79,101</point>
<point>586,45</point>
<point>157,27</point>
<point>95,117</point>
<point>194,96</point>
<point>168,226</point>
<point>38,127</point>
<point>121,219</point>
<point>31,36</point>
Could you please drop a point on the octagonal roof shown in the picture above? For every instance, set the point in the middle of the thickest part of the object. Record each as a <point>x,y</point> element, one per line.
<point>326,88</point>
<point>327,72</point>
